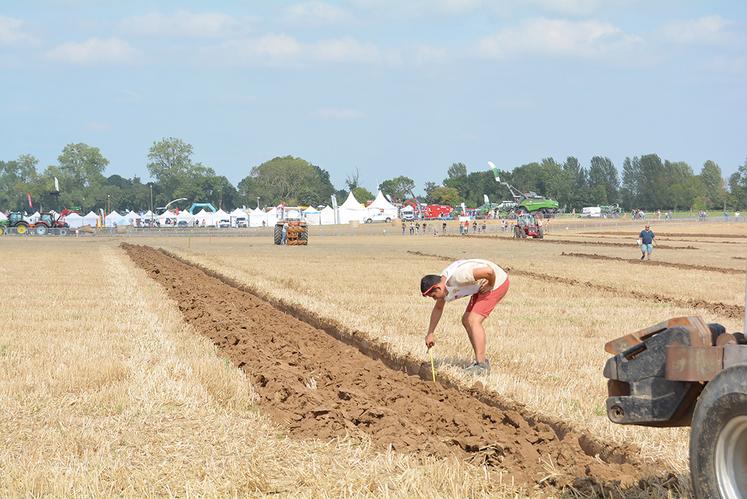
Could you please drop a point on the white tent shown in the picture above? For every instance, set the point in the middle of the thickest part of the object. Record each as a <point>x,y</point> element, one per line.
<point>238,214</point>
<point>351,210</point>
<point>327,216</point>
<point>312,216</point>
<point>272,216</point>
<point>222,215</point>
<point>256,217</point>
<point>112,218</point>
<point>32,219</point>
<point>167,215</point>
<point>185,216</point>
<point>133,217</point>
<point>2,216</point>
<point>383,206</point>
<point>73,220</point>
<point>123,221</point>
<point>91,219</point>
<point>205,218</point>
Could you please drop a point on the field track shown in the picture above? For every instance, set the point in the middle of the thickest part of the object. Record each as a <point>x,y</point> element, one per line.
<point>722,309</point>
<point>674,234</point>
<point>656,263</point>
<point>315,386</point>
<point>575,241</point>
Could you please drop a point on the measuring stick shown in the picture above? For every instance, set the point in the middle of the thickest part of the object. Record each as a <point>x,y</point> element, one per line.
<point>433,367</point>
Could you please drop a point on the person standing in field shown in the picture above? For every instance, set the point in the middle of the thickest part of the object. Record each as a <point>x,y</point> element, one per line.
<point>647,242</point>
<point>485,283</point>
<point>403,228</point>
<point>443,227</point>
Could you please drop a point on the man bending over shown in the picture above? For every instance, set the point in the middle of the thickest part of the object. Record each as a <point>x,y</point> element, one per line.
<point>485,283</point>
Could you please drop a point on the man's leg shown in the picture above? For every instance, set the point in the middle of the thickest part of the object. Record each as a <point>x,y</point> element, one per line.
<point>468,328</point>
<point>473,323</point>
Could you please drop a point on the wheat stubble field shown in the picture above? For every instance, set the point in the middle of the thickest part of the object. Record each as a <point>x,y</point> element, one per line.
<point>131,371</point>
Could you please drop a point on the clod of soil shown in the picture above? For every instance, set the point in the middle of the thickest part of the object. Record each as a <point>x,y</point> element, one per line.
<point>719,308</point>
<point>656,263</point>
<point>316,386</point>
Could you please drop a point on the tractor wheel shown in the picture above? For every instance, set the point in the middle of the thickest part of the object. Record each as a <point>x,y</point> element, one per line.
<point>388,220</point>
<point>22,229</point>
<point>40,230</point>
<point>62,231</point>
<point>369,221</point>
<point>517,232</point>
<point>3,230</point>
<point>541,233</point>
<point>304,236</point>
<point>718,437</point>
<point>278,234</point>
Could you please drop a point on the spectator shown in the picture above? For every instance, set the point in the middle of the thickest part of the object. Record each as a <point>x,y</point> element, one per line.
<point>403,228</point>
<point>646,238</point>
<point>443,227</point>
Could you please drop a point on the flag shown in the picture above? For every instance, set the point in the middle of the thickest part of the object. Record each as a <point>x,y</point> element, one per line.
<point>56,185</point>
<point>28,196</point>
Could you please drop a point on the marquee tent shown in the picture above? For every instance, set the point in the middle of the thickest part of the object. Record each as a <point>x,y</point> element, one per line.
<point>236,215</point>
<point>351,210</point>
<point>382,205</point>
<point>133,217</point>
<point>91,219</point>
<point>2,216</point>
<point>112,218</point>
<point>185,216</point>
<point>256,217</point>
<point>272,216</point>
<point>32,219</point>
<point>167,215</point>
<point>327,216</point>
<point>73,220</point>
<point>222,215</point>
<point>205,218</point>
<point>312,216</point>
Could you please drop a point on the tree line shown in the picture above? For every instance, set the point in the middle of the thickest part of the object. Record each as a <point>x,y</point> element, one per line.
<point>647,182</point>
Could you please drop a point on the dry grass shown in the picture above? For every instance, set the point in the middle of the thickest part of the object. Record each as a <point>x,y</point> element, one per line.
<point>545,340</point>
<point>105,391</point>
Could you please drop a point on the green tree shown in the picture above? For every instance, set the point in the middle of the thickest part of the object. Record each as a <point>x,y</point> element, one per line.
<point>444,195</point>
<point>603,180</point>
<point>363,195</point>
<point>17,177</point>
<point>398,188</point>
<point>713,185</point>
<point>288,180</point>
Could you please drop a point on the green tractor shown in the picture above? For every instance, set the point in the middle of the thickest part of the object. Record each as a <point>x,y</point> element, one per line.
<point>528,202</point>
<point>14,224</point>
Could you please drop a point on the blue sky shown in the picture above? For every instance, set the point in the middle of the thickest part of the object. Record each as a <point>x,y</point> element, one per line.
<point>388,87</point>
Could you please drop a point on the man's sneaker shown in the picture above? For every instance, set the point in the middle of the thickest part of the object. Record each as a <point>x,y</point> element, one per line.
<point>478,368</point>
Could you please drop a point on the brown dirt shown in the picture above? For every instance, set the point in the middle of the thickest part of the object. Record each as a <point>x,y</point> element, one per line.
<point>530,240</point>
<point>657,263</point>
<point>719,308</point>
<point>316,386</point>
<point>672,234</point>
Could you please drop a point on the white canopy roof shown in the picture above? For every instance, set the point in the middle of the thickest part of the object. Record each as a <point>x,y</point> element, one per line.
<point>90,218</point>
<point>185,215</point>
<point>381,203</point>
<point>2,216</point>
<point>132,215</point>
<point>148,214</point>
<point>71,216</point>
<point>351,203</point>
<point>220,214</point>
<point>238,212</point>
<point>311,209</point>
<point>114,216</point>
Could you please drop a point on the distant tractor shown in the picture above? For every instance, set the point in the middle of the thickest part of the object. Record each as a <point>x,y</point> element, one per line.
<point>14,224</point>
<point>528,202</point>
<point>296,230</point>
<point>526,225</point>
<point>49,221</point>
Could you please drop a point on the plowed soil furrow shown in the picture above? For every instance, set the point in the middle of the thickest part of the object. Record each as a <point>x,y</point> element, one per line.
<point>721,309</point>
<point>316,386</point>
<point>573,241</point>
<point>656,263</point>
<point>680,234</point>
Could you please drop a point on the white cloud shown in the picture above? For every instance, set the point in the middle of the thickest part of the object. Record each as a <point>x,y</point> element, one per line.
<point>338,113</point>
<point>285,49</point>
<point>315,13</point>
<point>11,32</point>
<point>574,7</point>
<point>709,29</point>
<point>429,54</point>
<point>93,50</point>
<point>182,23</point>
<point>556,37</point>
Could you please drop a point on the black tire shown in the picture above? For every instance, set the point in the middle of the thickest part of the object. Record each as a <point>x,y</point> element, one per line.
<point>388,220</point>
<point>369,221</point>
<point>718,437</point>
<point>278,234</point>
<point>304,236</point>
<point>41,230</point>
<point>3,230</point>
<point>62,231</point>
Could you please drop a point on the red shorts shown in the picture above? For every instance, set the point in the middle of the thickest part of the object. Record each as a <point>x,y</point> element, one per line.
<point>484,304</point>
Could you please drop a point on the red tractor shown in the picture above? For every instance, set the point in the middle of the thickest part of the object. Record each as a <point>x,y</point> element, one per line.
<point>49,221</point>
<point>527,225</point>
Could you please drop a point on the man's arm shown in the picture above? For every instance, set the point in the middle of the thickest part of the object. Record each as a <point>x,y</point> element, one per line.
<point>488,274</point>
<point>438,310</point>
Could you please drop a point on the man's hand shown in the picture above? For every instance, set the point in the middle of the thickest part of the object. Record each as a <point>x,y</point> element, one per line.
<point>430,340</point>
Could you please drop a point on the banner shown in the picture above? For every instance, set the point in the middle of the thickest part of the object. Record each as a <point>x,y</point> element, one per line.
<point>28,196</point>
